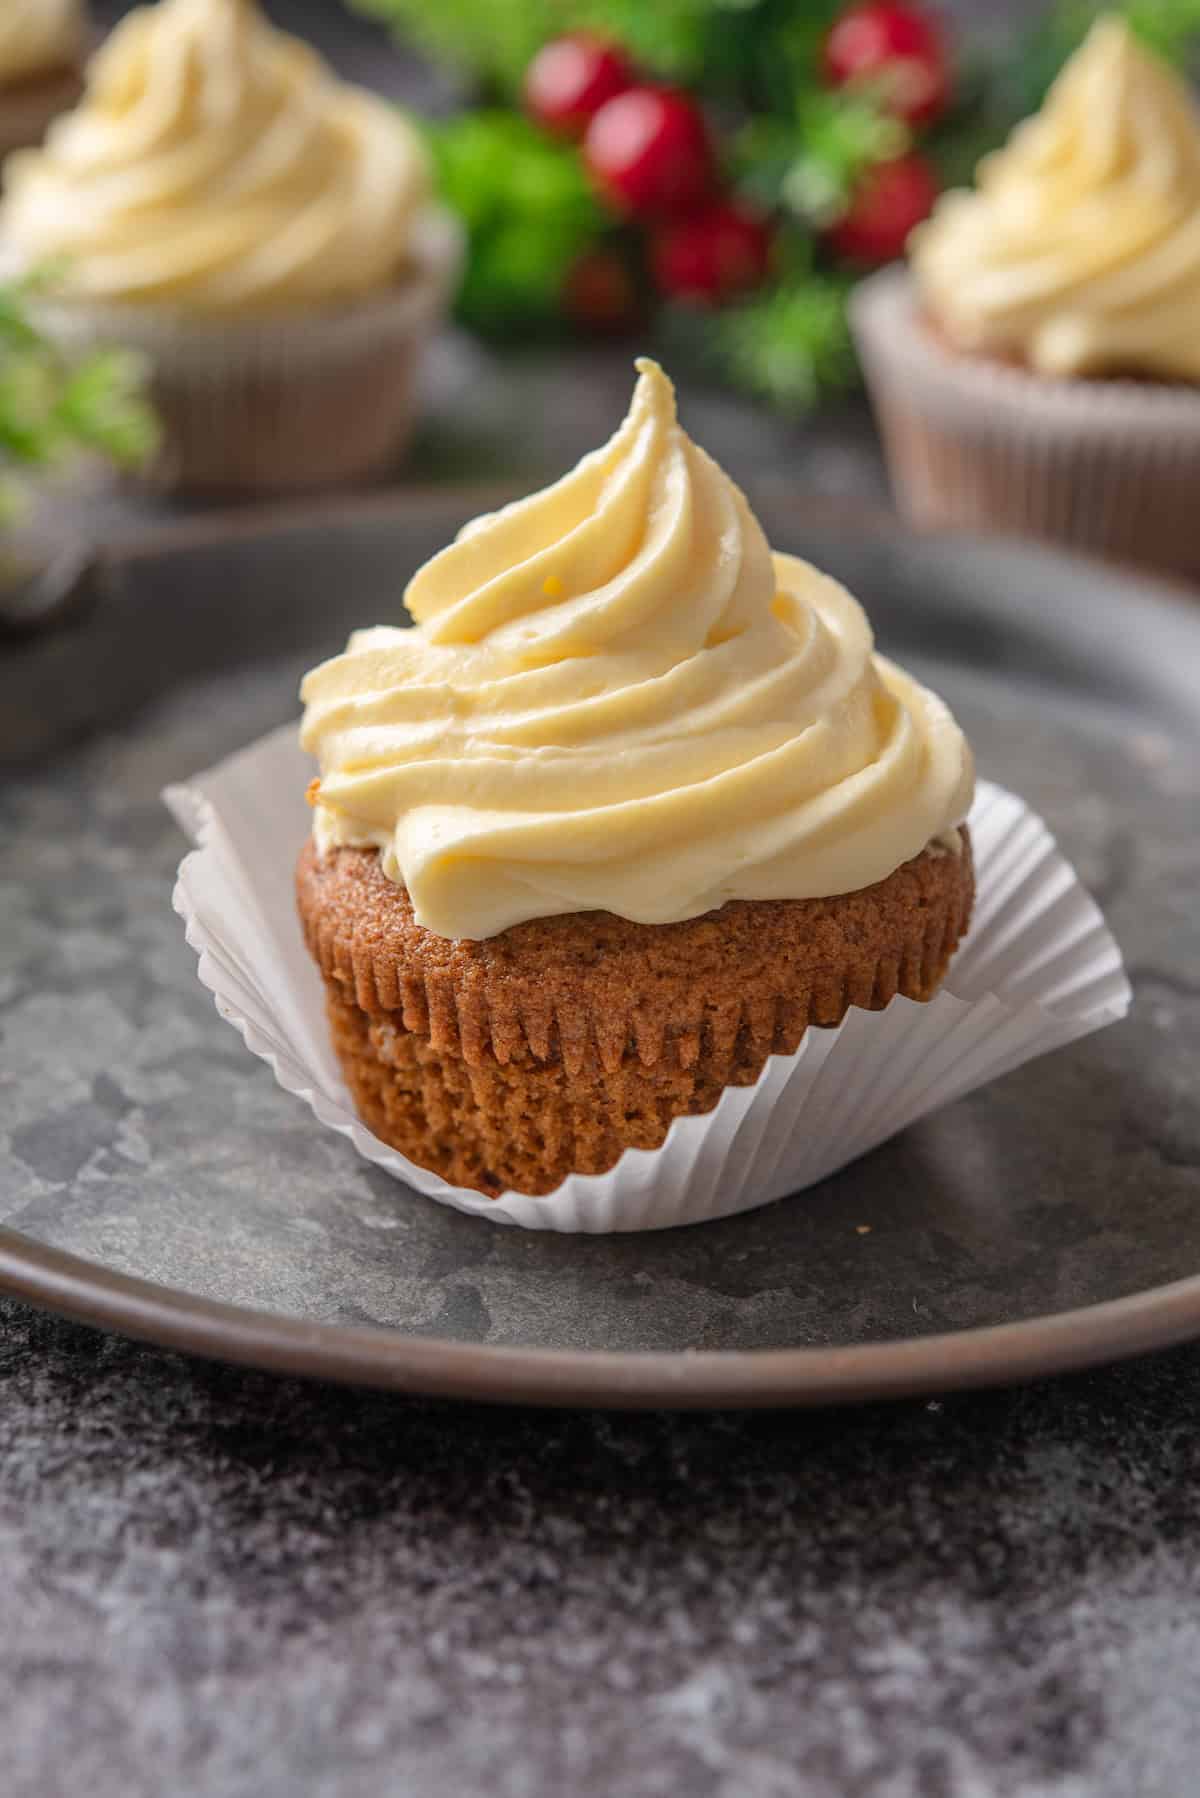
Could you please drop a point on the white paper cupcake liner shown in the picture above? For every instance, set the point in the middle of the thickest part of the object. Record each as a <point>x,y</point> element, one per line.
<point>1037,969</point>
<point>1111,466</point>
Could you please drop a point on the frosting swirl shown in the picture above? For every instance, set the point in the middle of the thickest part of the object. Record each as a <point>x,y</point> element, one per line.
<point>1079,251</point>
<point>37,36</point>
<point>216,165</point>
<point>617,699</point>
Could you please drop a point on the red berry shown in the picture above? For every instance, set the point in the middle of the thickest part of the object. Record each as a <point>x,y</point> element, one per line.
<point>648,151</point>
<point>570,78</point>
<point>601,293</point>
<point>889,200</point>
<point>714,254</point>
<point>898,48</point>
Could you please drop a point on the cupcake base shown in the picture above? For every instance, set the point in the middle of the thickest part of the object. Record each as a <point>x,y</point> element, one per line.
<point>552,1048</point>
<point>1107,465</point>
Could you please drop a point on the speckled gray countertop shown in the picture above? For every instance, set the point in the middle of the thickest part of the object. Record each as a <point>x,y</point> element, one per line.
<point>220,1584</point>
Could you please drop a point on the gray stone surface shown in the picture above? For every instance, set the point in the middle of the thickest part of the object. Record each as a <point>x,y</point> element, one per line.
<point>218,1585</point>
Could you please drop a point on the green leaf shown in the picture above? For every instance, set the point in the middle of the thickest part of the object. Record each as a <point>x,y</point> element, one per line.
<point>100,407</point>
<point>529,212</point>
<point>1168,26</point>
<point>789,345</point>
<point>492,39</point>
<point>51,407</point>
<point>840,135</point>
<point>808,164</point>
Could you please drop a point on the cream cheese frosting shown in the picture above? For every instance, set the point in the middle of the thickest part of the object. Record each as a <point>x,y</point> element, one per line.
<point>215,165</point>
<point>39,36</point>
<point>1079,251</point>
<point>616,698</point>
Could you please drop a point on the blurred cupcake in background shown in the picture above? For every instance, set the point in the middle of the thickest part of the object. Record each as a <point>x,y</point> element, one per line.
<point>42,46</point>
<point>1038,368</point>
<point>262,231</point>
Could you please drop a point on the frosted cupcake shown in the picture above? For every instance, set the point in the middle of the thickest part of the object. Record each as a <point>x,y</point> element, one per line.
<point>632,807</point>
<point>261,230</point>
<point>42,45</point>
<point>1039,368</point>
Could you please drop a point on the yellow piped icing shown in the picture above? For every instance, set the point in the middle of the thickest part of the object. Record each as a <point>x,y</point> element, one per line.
<point>1079,250</point>
<point>693,720</point>
<point>216,166</point>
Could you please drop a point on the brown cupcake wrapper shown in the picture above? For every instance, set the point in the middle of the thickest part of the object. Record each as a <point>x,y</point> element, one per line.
<point>1106,465</point>
<point>266,405</point>
<point>759,973</point>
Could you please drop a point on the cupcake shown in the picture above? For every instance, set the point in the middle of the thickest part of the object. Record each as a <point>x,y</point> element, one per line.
<point>1038,368</point>
<point>41,52</point>
<point>262,231</point>
<point>632,807</point>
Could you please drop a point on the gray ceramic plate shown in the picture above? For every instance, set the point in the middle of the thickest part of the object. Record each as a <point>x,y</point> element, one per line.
<point>155,1180</point>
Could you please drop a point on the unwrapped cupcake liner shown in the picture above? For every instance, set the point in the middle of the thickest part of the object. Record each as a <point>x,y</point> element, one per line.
<point>1111,466</point>
<point>279,402</point>
<point>1037,969</point>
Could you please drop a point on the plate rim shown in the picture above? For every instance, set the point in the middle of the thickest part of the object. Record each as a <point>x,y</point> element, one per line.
<point>89,1292</point>
<point>71,1286</point>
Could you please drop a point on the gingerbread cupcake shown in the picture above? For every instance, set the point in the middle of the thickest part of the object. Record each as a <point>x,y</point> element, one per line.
<point>42,45</point>
<point>260,230</point>
<point>1038,368</point>
<point>632,807</point>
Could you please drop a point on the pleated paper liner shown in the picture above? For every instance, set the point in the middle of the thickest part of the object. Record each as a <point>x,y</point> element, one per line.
<point>1037,969</point>
<point>279,403</point>
<point>1110,466</point>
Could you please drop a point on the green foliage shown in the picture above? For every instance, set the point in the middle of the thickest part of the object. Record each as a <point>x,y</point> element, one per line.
<point>789,344</point>
<point>528,210</point>
<point>1168,26</point>
<point>101,406</point>
<point>808,164</point>
<point>490,39</point>
<point>51,407</point>
<point>679,40</point>
<point>722,46</point>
